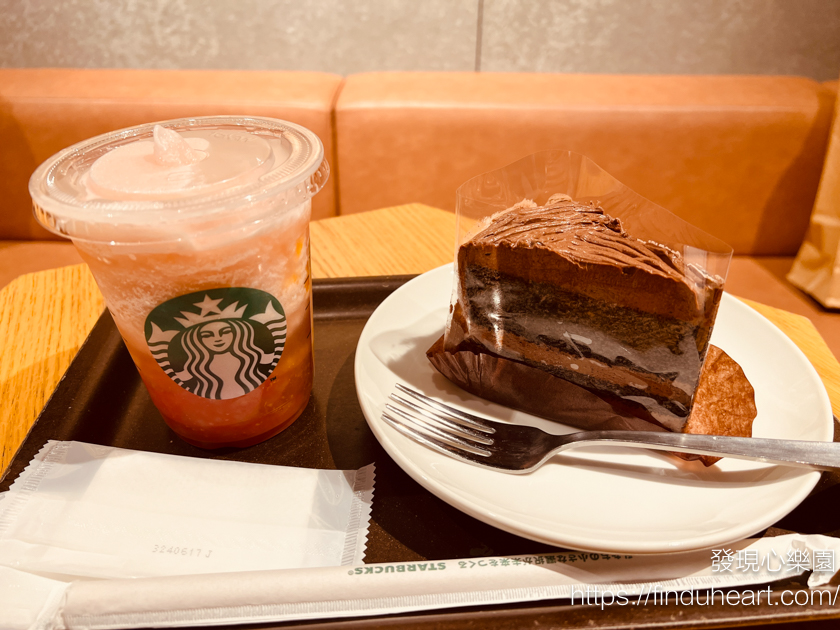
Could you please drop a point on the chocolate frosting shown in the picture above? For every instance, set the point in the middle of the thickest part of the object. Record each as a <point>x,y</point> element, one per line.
<point>564,236</point>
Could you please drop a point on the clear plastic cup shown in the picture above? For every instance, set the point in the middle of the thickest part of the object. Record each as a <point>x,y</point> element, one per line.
<point>199,242</point>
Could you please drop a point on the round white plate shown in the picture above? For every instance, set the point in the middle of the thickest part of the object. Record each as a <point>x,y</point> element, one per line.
<point>607,499</point>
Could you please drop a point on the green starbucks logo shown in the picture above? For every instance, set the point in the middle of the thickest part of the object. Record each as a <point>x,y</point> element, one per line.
<point>220,343</point>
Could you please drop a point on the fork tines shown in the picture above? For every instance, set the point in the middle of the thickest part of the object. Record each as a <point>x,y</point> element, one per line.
<point>450,431</point>
<point>467,419</point>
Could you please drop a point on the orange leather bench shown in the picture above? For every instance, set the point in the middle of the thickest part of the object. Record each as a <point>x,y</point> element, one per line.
<point>738,156</point>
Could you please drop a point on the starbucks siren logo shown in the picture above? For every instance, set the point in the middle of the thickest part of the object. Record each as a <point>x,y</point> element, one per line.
<point>218,344</point>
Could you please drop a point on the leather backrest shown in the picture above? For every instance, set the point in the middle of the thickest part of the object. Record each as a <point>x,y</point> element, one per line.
<point>738,156</point>
<point>45,110</point>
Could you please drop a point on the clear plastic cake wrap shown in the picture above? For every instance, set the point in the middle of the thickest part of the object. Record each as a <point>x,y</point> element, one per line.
<point>579,300</point>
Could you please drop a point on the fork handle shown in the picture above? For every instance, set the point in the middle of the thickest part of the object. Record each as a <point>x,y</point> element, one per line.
<point>790,452</point>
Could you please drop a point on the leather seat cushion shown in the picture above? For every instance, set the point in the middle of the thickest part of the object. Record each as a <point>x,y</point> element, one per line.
<point>737,156</point>
<point>44,110</point>
<point>20,257</point>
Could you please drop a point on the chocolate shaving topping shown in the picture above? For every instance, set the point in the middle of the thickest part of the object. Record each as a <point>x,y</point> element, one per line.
<point>583,232</point>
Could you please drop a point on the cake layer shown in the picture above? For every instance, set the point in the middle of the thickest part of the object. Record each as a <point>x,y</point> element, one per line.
<point>724,402</point>
<point>565,318</point>
<point>660,397</point>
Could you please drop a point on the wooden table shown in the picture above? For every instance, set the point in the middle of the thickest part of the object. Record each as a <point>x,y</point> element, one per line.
<point>46,316</point>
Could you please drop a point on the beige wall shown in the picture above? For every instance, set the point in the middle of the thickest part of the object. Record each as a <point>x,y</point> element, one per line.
<point>799,37</point>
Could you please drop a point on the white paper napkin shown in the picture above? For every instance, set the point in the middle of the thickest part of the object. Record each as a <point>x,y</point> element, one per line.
<point>95,511</point>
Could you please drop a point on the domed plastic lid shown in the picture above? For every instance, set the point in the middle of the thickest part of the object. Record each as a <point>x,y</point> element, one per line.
<point>179,173</point>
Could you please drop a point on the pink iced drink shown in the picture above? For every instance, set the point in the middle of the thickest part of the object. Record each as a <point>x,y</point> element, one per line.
<point>206,271</point>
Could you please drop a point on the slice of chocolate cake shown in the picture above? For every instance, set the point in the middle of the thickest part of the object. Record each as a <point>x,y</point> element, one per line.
<point>563,288</point>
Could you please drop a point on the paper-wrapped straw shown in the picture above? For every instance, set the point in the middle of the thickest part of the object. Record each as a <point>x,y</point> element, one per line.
<point>379,589</point>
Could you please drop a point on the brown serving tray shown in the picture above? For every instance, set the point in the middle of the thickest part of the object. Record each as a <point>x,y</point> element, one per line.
<point>101,400</point>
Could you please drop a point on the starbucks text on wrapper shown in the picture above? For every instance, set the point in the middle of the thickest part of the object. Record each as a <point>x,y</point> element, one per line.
<point>197,232</point>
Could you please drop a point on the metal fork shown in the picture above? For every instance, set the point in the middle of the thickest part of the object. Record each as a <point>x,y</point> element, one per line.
<point>520,449</point>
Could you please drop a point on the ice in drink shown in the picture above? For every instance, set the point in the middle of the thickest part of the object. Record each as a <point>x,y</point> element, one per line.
<point>197,233</point>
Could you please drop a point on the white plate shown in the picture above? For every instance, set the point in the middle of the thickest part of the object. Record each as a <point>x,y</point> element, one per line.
<point>608,499</point>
